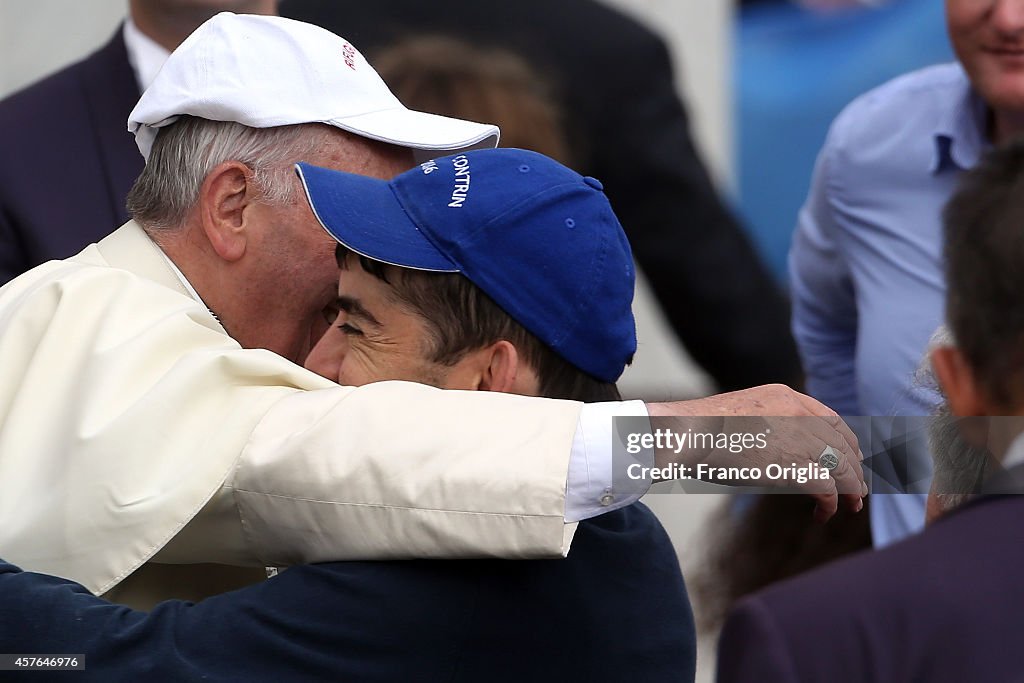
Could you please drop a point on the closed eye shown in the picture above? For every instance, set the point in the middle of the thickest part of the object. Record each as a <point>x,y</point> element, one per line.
<point>331,312</point>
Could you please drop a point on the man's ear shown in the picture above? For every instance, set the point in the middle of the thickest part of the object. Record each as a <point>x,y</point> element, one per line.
<point>501,368</point>
<point>965,397</point>
<point>224,197</point>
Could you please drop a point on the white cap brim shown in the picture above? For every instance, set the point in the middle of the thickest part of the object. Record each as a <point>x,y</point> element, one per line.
<point>428,135</point>
<point>421,131</point>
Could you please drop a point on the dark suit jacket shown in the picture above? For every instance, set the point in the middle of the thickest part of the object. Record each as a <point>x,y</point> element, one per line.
<point>630,130</point>
<point>68,160</point>
<point>946,605</point>
<point>616,610</point>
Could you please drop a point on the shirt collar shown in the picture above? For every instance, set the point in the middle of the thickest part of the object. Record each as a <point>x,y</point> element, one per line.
<point>144,54</point>
<point>188,285</point>
<point>184,281</point>
<point>960,134</point>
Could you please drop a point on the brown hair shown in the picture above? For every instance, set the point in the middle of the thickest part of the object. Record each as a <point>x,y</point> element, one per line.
<point>460,318</point>
<point>984,250</point>
<point>446,76</point>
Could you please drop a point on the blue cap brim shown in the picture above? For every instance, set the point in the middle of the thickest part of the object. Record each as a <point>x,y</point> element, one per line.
<point>364,214</point>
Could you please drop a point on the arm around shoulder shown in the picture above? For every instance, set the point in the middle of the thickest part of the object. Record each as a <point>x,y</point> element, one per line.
<point>400,470</point>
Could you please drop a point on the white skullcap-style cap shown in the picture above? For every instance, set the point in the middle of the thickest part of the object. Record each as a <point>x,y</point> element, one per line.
<point>265,71</point>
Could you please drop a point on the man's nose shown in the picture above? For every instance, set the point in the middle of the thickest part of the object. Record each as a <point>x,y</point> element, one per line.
<point>326,357</point>
<point>1008,16</point>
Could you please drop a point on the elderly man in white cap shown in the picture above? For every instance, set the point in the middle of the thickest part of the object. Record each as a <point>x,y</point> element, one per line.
<point>153,415</point>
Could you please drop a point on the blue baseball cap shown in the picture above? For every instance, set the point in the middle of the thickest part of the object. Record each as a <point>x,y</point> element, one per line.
<point>538,238</point>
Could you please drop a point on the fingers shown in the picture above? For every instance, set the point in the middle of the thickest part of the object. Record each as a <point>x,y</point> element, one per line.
<point>852,456</point>
<point>849,482</point>
<point>797,441</point>
<point>827,505</point>
<point>821,433</point>
<point>847,445</point>
<point>832,418</point>
<point>848,437</point>
<point>849,479</point>
<point>810,436</point>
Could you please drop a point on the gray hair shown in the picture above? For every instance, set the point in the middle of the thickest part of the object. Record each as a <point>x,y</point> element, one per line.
<point>187,150</point>
<point>959,466</point>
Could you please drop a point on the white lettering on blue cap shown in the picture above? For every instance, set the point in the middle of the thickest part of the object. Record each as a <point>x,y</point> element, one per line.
<point>461,191</point>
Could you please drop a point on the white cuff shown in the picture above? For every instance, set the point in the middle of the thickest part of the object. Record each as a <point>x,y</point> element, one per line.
<point>594,486</point>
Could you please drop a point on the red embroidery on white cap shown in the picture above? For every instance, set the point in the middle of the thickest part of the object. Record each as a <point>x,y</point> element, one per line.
<point>349,53</point>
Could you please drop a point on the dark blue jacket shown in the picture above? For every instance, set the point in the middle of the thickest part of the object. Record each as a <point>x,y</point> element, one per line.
<point>946,605</point>
<point>615,609</point>
<point>68,160</point>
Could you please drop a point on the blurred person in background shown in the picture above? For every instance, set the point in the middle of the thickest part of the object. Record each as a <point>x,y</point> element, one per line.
<point>794,69</point>
<point>71,128</point>
<point>448,76</point>
<point>625,124</point>
<point>960,467</point>
<point>866,267</point>
<point>943,605</point>
<point>754,544</point>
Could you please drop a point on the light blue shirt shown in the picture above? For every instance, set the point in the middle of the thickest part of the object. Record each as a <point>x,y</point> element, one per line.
<point>866,264</point>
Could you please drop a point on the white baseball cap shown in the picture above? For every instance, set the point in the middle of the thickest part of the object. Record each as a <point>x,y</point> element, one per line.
<point>265,71</point>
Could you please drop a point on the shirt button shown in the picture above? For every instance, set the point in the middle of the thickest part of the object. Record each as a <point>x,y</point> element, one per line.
<point>607,499</point>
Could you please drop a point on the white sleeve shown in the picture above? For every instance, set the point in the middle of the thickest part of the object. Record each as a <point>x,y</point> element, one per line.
<point>398,470</point>
<point>595,486</point>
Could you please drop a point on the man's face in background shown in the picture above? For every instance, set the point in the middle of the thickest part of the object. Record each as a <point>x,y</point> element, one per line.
<point>988,38</point>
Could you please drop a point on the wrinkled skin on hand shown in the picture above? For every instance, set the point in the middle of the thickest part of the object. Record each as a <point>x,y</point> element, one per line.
<point>800,429</point>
